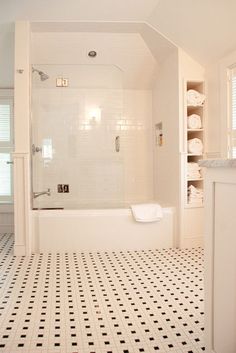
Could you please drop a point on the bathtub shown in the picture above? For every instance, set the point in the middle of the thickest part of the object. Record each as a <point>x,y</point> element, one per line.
<point>101,229</point>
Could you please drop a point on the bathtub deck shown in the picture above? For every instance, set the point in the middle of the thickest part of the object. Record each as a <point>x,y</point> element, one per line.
<point>103,302</point>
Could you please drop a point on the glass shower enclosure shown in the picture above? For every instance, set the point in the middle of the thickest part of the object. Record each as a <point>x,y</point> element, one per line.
<point>77,156</point>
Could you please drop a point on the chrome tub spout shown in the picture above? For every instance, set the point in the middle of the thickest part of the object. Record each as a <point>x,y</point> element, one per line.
<point>40,193</point>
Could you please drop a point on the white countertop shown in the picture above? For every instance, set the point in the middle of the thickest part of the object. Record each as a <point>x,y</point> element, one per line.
<point>218,163</point>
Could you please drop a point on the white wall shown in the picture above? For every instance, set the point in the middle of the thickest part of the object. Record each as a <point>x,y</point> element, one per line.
<point>218,103</point>
<point>189,70</point>
<point>6,218</point>
<point>127,51</point>
<point>191,230</point>
<point>166,110</point>
<point>7,55</point>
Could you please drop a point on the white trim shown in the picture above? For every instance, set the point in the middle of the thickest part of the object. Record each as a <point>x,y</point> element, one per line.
<point>22,202</point>
<point>7,228</point>
<point>193,242</point>
<point>19,250</point>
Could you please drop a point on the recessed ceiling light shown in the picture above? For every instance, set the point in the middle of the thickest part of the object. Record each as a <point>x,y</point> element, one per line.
<point>92,53</point>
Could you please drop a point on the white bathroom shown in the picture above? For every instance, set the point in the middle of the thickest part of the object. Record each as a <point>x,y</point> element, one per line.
<point>110,117</point>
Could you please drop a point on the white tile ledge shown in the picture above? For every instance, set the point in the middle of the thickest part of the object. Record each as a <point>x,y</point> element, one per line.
<point>218,163</point>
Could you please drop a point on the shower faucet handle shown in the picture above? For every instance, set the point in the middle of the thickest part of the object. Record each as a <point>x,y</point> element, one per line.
<point>117,143</point>
<point>36,149</point>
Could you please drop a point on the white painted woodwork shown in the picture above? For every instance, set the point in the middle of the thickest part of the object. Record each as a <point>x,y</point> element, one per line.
<point>220,259</point>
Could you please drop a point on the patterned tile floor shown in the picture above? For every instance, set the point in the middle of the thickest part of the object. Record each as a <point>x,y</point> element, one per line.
<point>101,302</point>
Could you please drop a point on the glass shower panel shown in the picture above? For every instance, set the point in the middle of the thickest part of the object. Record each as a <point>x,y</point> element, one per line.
<point>76,137</point>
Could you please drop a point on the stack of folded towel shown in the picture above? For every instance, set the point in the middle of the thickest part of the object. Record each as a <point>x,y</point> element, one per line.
<point>193,170</point>
<point>194,98</point>
<point>194,121</point>
<point>195,146</point>
<point>195,195</point>
<point>150,212</point>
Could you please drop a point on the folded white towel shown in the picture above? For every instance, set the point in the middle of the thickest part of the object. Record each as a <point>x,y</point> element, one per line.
<point>194,121</point>
<point>195,146</point>
<point>150,212</point>
<point>195,98</point>
<point>193,166</point>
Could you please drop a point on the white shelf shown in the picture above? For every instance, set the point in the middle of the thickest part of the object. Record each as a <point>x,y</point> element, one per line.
<point>193,133</point>
<point>199,179</point>
<point>195,130</point>
<point>195,106</point>
<point>194,205</point>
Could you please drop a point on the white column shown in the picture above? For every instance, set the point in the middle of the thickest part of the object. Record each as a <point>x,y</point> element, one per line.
<point>22,139</point>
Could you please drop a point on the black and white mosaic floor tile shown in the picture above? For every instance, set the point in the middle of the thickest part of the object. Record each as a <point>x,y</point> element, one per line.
<point>101,302</point>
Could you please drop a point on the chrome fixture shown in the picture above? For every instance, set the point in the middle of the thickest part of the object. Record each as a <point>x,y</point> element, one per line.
<point>42,74</point>
<point>40,193</point>
<point>117,143</point>
<point>92,53</point>
<point>36,149</point>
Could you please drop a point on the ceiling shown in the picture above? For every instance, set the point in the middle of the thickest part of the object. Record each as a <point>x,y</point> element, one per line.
<point>205,29</point>
<point>76,10</point>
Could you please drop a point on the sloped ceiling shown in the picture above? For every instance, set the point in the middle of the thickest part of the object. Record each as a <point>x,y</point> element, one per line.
<point>76,10</point>
<point>205,29</point>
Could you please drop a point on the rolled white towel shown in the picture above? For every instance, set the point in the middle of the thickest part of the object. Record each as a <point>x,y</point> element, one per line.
<point>194,121</point>
<point>195,146</point>
<point>195,98</point>
<point>150,212</point>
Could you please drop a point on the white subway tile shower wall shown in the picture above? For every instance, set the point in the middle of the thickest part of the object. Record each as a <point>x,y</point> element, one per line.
<point>101,302</point>
<point>84,146</point>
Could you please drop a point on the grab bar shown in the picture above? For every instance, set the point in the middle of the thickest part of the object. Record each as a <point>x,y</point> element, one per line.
<point>117,143</point>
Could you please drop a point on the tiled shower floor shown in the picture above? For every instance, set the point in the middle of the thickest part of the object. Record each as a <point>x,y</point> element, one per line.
<point>101,302</point>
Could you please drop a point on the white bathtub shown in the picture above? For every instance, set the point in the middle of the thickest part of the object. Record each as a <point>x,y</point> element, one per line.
<point>105,229</point>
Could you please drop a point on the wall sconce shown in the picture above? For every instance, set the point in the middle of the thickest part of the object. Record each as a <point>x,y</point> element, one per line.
<point>95,115</point>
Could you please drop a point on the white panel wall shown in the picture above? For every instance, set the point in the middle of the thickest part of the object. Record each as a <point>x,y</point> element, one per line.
<point>166,110</point>
<point>6,219</point>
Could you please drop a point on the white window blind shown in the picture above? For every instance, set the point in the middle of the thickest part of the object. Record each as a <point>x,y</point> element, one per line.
<point>5,124</point>
<point>5,175</point>
<point>6,145</point>
<point>232,122</point>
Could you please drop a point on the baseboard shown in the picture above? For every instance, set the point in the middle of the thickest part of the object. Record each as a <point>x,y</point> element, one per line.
<point>7,228</point>
<point>192,242</point>
<point>19,250</point>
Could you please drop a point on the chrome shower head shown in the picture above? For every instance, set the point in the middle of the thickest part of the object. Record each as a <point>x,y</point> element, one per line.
<point>42,74</point>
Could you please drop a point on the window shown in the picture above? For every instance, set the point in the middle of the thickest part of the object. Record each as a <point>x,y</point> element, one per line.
<point>6,145</point>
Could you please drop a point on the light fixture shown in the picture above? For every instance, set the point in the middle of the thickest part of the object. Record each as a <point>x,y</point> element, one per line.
<point>92,53</point>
